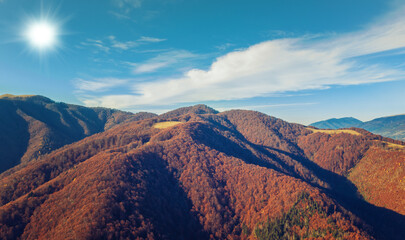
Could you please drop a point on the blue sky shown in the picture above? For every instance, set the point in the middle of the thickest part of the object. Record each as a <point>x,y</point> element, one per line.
<point>302,61</point>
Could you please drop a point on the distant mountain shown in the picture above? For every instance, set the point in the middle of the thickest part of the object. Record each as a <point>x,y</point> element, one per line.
<point>195,174</point>
<point>31,126</point>
<point>335,123</point>
<point>392,126</point>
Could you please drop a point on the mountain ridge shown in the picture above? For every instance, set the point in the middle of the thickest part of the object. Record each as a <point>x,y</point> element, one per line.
<point>34,125</point>
<point>335,123</point>
<point>159,147</point>
<point>196,173</point>
<point>390,126</point>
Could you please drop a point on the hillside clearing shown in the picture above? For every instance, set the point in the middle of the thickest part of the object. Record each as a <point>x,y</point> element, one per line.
<point>331,132</point>
<point>393,145</point>
<point>163,125</point>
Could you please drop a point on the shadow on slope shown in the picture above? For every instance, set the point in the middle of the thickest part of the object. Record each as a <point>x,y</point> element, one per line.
<point>385,223</point>
<point>165,203</point>
<point>14,138</point>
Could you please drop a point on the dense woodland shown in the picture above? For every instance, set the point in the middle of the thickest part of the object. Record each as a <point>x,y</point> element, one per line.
<point>231,175</point>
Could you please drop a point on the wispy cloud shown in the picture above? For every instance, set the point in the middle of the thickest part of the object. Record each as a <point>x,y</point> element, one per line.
<point>131,44</point>
<point>98,84</point>
<point>98,44</point>
<point>111,42</point>
<point>120,15</point>
<point>132,10</point>
<point>127,5</point>
<point>162,60</point>
<point>278,34</point>
<point>264,106</point>
<point>224,46</point>
<point>150,39</point>
<point>122,45</point>
<point>276,66</point>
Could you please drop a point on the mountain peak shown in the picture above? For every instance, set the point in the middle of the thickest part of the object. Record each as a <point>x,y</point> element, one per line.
<point>196,109</point>
<point>203,109</point>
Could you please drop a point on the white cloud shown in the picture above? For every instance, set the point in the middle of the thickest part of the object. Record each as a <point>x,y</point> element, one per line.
<point>98,44</point>
<point>382,36</point>
<point>249,107</point>
<point>119,15</point>
<point>278,34</point>
<point>162,60</point>
<point>131,44</point>
<point>113,43</point>
<point>150,67</point>
<point>224,46</point>
<point>122,45</point>
<point>98,84</point>
<point>255,107</point>
<point>274,67</point>
<point>150,39</point>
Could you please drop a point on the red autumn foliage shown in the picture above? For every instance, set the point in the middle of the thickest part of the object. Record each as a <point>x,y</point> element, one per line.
<point>213,176</point>
<point>380,177</point>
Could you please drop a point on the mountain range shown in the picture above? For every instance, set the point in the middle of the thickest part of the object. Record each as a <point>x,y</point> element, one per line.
<point>193,173</point>
<point>392,126</point>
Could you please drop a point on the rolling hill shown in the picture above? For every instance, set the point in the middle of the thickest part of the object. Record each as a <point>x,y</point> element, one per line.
<point>199,174</point>
<point>392,126</point>
<point>31,126</point>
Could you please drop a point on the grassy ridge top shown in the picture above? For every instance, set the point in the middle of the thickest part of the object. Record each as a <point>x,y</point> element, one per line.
<point>16,96</point>
<point>163,125</point>
<point>331,132</point>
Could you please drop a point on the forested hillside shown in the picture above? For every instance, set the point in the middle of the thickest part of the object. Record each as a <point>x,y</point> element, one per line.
<point>31,126</point>
<point>199,174</point>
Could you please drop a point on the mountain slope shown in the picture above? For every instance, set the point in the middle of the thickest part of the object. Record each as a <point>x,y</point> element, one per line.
<point>374,164</point>
<point>31,126</point>
<point>336,123</point>
<point>236,175</point>
<point>380,177</point>
<point>392,126</point>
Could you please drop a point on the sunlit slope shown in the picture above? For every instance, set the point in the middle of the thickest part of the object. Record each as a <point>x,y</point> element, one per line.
<point>380,177</point>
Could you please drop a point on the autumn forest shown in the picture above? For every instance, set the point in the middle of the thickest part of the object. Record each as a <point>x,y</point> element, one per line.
<point>71,172</point>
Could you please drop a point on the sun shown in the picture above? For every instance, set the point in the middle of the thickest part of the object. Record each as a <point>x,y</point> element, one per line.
<point>43,32</point>
<point>42,35</point>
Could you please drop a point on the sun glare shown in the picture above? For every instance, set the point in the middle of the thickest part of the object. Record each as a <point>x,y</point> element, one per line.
<point>42,35</point>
